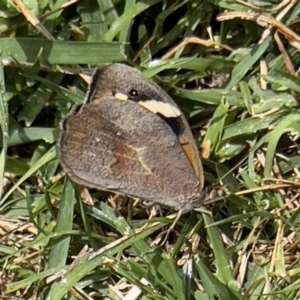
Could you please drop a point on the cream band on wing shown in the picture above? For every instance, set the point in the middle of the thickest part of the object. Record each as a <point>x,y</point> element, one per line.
<point>121,97</point>
<point>157,107</point>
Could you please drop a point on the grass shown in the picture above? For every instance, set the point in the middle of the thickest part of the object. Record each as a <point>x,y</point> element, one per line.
<point>236,80</point>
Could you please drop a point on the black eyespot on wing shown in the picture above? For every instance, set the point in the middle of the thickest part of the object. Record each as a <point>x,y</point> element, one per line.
<point>133,93</point>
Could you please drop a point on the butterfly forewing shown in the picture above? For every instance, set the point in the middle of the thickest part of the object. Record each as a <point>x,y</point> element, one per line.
<point>104,147</point>
<point>130,144</point>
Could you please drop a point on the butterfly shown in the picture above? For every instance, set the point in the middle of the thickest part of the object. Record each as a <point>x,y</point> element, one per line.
<point>129,137</point>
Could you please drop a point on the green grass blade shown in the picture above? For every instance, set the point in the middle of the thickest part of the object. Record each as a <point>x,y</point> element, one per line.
<point>25,50</point>
<point>4,127</point>
<point>125,19</point>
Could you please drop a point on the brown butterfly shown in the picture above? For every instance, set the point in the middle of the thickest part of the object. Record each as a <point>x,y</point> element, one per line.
<point>129,137</point>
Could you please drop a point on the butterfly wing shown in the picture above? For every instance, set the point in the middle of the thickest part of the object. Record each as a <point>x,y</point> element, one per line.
<point>119,78</point>
<point>119,146</point>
